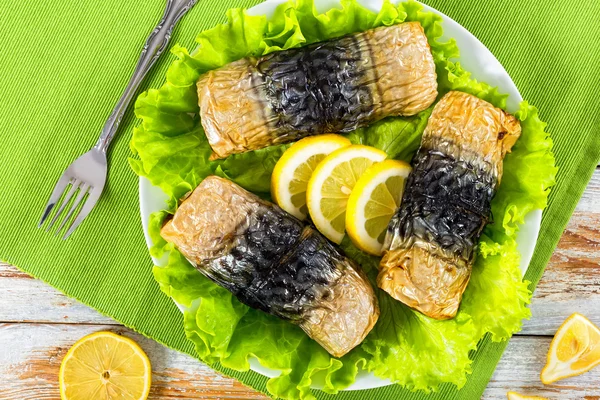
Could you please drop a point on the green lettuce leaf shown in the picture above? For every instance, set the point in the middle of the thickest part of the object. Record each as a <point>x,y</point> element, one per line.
<point>398,137</point>
<point>496,294</point>
<point>252,170</point>
<point>404,341</point>
<point>169,148</point>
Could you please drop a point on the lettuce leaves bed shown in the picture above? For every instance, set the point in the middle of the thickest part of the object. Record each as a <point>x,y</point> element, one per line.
<point>170,149</point>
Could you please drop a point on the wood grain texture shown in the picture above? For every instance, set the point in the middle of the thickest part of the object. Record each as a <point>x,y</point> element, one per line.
<point>571,282</point>
<point>24,299</point>
<point>38,324</point>
<point>520,367</point>
<point>31,356</point>
<point>30,365</point>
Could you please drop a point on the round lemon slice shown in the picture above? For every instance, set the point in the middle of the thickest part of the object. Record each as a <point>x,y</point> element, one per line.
<point>332,182</point>
<point>295,167</point>
<point>574,350</point>
<point>372,203</point>
<point>105,366</point>
<point>517,396</point>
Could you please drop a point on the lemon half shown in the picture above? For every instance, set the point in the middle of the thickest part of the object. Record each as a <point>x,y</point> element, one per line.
<point>332,182</point>
<point>574,350</point>
<point>105,366</point>
<point>294,169</point>
<point>372,203</point>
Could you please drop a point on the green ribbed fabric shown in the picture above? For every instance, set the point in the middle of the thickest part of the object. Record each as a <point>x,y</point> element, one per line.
<point>64,63</point>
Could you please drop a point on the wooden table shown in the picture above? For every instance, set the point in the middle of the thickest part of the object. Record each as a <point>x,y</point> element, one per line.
<point>38,325</point>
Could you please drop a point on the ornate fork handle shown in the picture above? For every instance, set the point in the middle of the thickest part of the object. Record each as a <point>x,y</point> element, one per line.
<point>153,48</point>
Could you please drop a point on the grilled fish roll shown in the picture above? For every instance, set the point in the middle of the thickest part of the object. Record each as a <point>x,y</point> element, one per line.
<point>332,86</point>
<point>430,242</point>
<point>272,262</point>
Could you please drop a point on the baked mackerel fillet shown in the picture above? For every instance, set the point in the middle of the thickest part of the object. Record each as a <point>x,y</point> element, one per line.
<point>272,262</point>
<point>333,86</point>
<point>430,242</point>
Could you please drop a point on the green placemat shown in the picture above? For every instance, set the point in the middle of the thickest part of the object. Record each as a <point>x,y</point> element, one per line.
<point>63,64</point>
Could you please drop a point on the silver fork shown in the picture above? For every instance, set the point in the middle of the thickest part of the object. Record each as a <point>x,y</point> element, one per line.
<point>86,176</point>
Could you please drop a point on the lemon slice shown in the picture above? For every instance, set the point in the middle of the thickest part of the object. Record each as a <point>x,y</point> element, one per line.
<point>372,203</point>
<point>331,184</point>
<point>294,169</point>
<point>574,350</point>
<point>105,366</point>
<point>517,396</point>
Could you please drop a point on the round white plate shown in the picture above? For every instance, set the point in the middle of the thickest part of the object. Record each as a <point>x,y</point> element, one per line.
<point>474,57</point>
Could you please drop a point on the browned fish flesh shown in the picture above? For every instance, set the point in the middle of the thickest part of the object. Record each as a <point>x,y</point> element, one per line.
<point>273,262</point>
<point>328,87</point>
<point>430,243</point>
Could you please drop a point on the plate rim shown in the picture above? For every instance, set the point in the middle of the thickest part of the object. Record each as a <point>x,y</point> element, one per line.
<point>528,232</point>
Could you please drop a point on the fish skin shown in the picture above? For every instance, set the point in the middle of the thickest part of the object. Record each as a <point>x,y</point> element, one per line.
<point>430,243</point>
<point>271,261</point>
<point>334,86</point>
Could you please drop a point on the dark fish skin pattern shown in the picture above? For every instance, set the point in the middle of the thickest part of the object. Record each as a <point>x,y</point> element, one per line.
<point>317,89</point>
<point>446,202</point>
<point>270,234</point>
<point>278,265</point>
<point>334,86</point>
<point>273,262</point>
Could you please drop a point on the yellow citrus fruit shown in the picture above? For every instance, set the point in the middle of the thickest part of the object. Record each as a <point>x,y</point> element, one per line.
<point>517,396</point>
<point>332,182</point>
<point>372,203</point>
<point>105,366</point>
<point>295,167</point>
<point>574,350</point>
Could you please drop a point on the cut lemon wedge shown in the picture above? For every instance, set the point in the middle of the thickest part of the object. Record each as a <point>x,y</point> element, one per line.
<point>574,350</point>
<point>372,203</point>
<point>332,182</point>
<point>517,396</point>
<point>294,169</point>
<point>105,366</point>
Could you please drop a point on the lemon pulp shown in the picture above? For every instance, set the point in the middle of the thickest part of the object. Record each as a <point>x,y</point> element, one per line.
<point>331,184</point>
<point>574,350</point>
<point>382,205</point>
<point>373,202</point>
<point>295,167</point>
<point>105,366</point>
<point>297,186</point>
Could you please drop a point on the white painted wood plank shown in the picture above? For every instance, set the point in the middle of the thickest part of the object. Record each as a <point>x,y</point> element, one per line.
<point>571,282</point>
<point>24,299</point>
<point>590,200</point>
<point>31,354</point>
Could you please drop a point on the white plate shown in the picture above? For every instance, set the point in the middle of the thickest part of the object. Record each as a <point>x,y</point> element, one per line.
<point>474,57</point>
